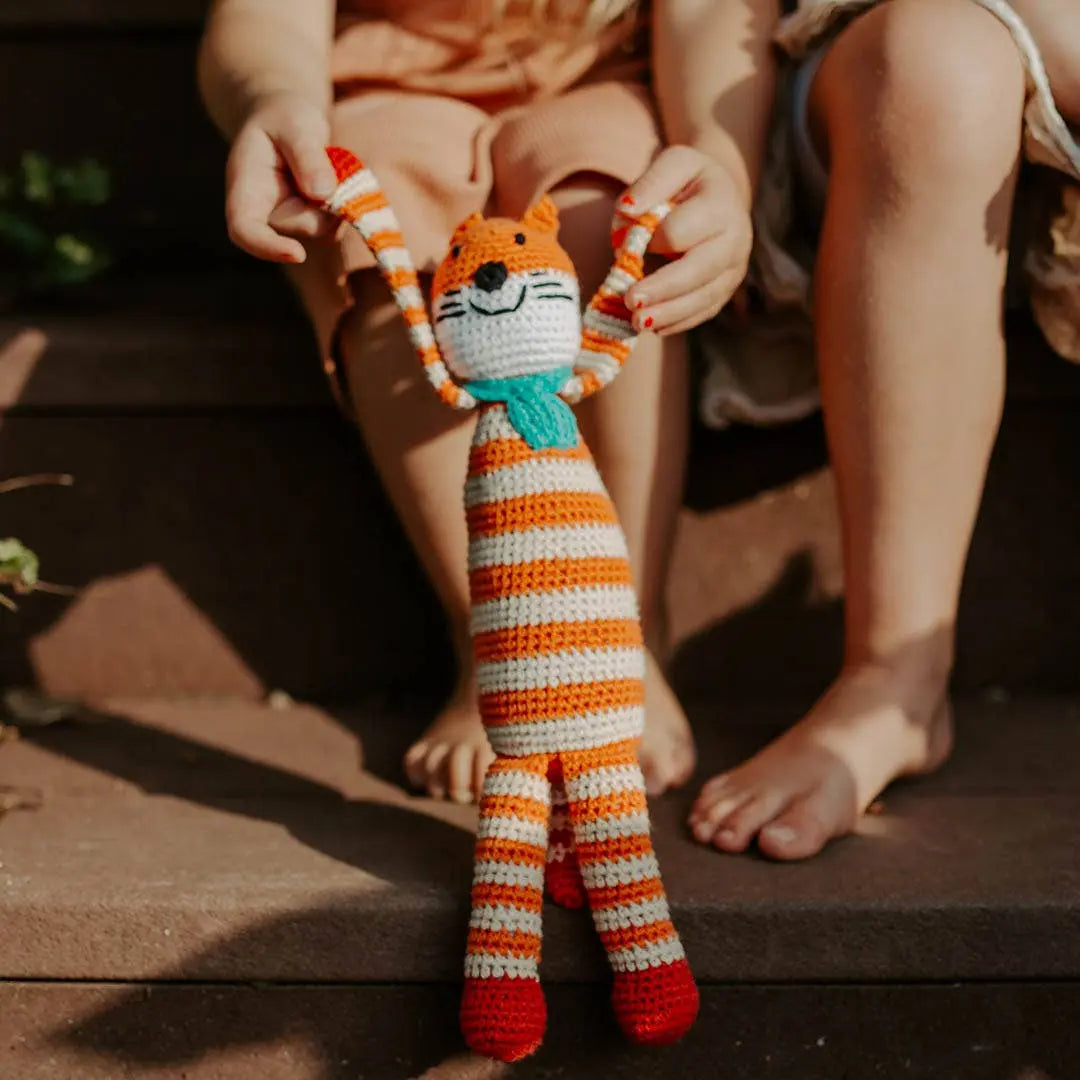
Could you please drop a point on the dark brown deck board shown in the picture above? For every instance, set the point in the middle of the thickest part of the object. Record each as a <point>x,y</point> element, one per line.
<point>189,842</point>
<point>181,341</point>
<point>98,1032</point>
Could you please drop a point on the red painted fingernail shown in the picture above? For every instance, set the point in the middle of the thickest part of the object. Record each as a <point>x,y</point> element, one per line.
<point>648,321</point>
<point>626,200</point>
<point>640,304</point>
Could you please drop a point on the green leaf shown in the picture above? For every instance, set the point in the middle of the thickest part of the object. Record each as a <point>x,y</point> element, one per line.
<point>20,233</point>
<point>37,178</point>
<point>18,562</point>
<point>75,251</point>
<point>70,262</point>
<point>86,182</point>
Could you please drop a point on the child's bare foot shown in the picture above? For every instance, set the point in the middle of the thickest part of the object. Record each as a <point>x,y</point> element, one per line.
<point>873,725</point>
<point>450,759</point>
<point>667,748</point>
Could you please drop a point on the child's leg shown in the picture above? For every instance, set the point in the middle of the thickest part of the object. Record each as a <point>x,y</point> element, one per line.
<point>918,104</point>
<point>637,429</point>
<point>420,448</point>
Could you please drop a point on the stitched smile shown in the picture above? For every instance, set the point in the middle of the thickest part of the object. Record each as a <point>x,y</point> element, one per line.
<point>499,311</point>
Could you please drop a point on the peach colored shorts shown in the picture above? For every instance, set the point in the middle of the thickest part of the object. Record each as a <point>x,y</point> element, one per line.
<point>439,159</point>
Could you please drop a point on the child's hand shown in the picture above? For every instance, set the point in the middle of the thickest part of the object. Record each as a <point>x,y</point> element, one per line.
<point>709,232</point>
<point>278,174</point>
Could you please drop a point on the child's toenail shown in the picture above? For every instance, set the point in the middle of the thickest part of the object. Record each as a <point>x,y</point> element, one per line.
<point>726,836</point>
<point>461,797</point>
<point>782,834</point>
<point>702,830</point>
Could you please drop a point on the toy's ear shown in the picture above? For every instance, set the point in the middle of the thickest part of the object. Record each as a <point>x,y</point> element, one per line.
<point>543,215</point>
<point>465,226</point>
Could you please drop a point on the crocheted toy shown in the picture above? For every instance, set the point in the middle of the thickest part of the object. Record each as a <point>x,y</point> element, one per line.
<point>554,620</point>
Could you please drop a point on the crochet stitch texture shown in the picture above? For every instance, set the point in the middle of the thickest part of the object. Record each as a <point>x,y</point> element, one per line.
<point>555,621</point>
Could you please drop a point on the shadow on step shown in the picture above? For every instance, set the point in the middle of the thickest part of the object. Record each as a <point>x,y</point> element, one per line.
<point>381,835</point>
<point>396,847</point>
<point>803,636</point>
<point>920,1032</point>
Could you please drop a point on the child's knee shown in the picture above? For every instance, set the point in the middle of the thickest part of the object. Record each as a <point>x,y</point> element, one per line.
<point>372,325</point>
<point>374,348</point>
<point>933,84</point>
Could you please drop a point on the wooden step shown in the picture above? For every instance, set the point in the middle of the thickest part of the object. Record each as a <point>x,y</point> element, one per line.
<point>182,844</point>
<point>224,520</point>
<point>224,339</point>
<point>105,17</point>
<point>103,1031</point>
<point>129,100</point>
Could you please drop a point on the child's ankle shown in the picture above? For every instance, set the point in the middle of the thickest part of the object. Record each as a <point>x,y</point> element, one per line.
<point>921,670</point>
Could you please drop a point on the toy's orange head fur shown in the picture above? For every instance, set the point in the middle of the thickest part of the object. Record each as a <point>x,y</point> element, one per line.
<point>529,244</point>
<point>505,299</point>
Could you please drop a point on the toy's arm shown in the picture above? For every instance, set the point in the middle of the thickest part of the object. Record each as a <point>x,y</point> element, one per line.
<point>360,201</point>
<point>607,334</point>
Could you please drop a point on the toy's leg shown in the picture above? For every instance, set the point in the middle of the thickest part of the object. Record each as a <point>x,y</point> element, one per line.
<point>563,877</point>
<point>654,995</point>
<point>503,1014</point>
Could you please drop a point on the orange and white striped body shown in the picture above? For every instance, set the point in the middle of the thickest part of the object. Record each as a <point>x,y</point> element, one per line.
<point>556,631</point>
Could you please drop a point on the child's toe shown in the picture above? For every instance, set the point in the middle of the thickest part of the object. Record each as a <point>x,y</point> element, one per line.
<point>736,832</point>
<point>711,813</point>
<point>801,831</point>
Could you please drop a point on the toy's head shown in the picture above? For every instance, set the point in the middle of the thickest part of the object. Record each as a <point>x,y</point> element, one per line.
<point>505,299</point>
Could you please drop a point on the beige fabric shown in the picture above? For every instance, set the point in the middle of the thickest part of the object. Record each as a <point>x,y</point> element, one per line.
<point>455,113</point>
<point>494,55</point>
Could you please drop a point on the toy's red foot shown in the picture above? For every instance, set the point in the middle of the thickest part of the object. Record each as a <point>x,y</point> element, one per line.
<point>503,1018</point>
<point>562,880</point>
<point>657,1005</point>
<point>344,161</point>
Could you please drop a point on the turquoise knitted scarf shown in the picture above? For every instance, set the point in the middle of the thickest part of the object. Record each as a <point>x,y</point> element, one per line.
<point>533,407</point>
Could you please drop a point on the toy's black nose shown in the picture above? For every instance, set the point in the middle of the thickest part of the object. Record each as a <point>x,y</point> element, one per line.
<point>490,276</point>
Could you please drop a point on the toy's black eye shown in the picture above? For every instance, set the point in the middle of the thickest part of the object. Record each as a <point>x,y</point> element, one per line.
<point>455,250</point>
<point>519,238</point>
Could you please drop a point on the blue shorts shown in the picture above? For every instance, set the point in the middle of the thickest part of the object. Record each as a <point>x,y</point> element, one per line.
<point>810,170</point>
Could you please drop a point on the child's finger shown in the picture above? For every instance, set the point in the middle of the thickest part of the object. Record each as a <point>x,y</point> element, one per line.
<point>249,202</point>
<point>297,218</point>
<point>690,309</point>
<point>305,153</point>
<point>253,235</point>
<point>253,187</point>
<point>247,214</point>
<point>689,224</point>
<point>673,170</point>
<point>696,268</point>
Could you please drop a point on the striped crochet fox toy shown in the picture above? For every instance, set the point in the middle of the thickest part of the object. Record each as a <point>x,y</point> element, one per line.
<point>554,620</point>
